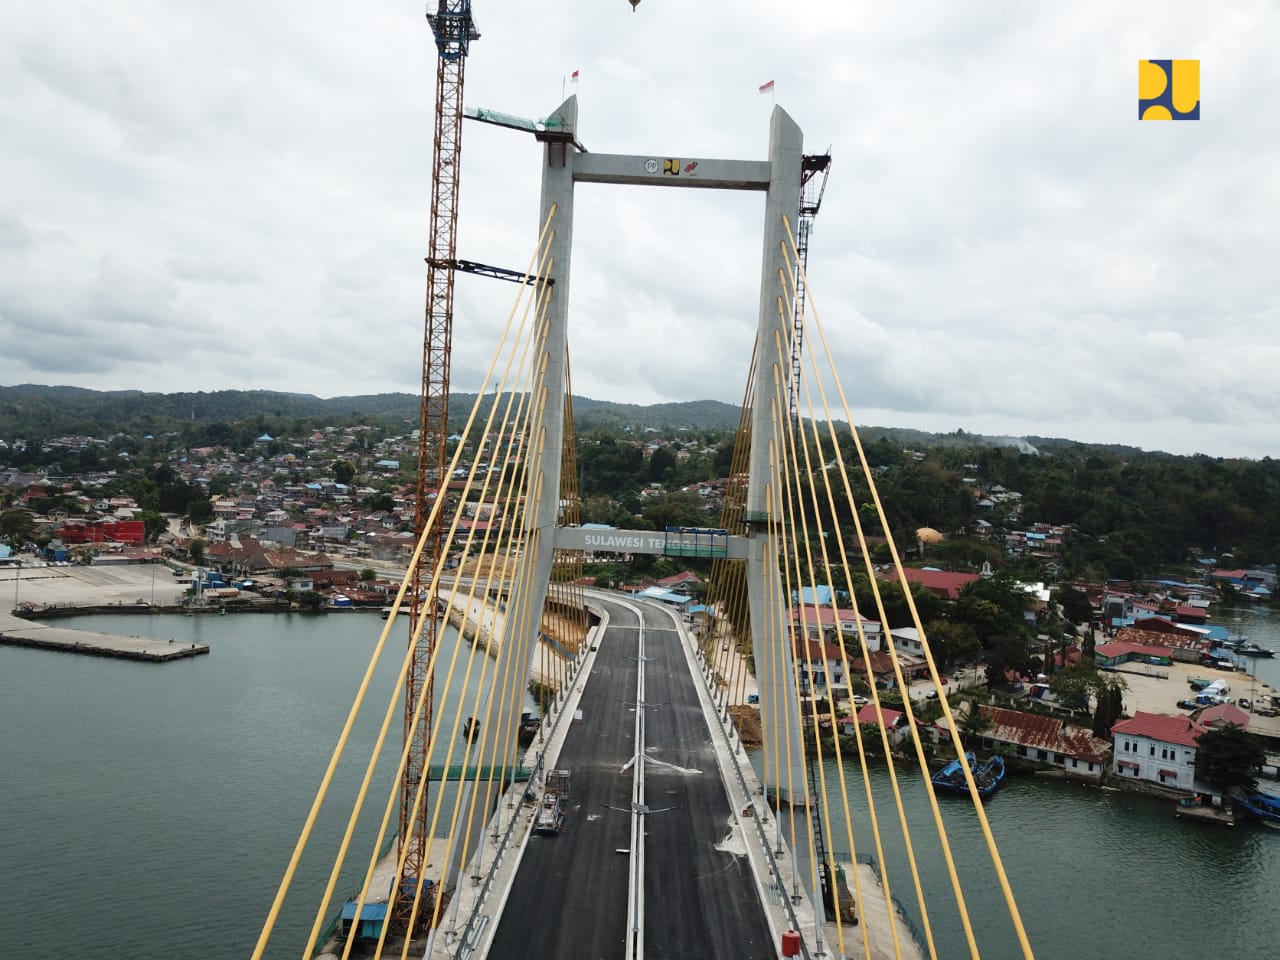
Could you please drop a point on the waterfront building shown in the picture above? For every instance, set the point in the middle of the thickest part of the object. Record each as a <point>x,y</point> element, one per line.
<point>1045,739</point>
<point>1158,748</point>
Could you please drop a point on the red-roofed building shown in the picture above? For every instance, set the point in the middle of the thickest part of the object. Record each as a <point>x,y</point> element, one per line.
<point>823,662</point>
<point>881,669</point>
<point>895,721</point>
<point>1185,613</point>
<point>1222,715</point>
<point>1159,624</point>
<point>942,582</point>
<point>1047,740</point>
<point>1158,748</point>
<point>684,578</point>
<point>817,619</point>
<point>1118,652</point>
<point>892,718</point>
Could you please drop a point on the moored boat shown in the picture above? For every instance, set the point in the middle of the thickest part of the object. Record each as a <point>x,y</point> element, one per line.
<point>1252,649</point>
<point>1264,806</point>
<point>987,776</point>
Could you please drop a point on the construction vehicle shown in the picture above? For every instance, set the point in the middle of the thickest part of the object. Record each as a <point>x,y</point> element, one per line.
<point>550,816</point>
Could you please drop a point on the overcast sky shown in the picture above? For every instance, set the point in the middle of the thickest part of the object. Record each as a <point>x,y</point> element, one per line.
<point>234,195</point>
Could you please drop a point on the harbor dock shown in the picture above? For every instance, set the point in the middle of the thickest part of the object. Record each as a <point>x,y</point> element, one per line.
<point>15,632</point>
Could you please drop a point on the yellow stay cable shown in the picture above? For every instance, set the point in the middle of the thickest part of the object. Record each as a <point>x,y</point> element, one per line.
<point>418,798</point>
<point>797,475</point>
<point>286,882</point>
<point>985,825</point>
<point>502,576</point>
<point>511,520</point>
<point>907,708</point>
<point>395,700</point>
<point>778,547</point>
<point>467,606</point>
<point>883,728</point>
<point>786,487</point>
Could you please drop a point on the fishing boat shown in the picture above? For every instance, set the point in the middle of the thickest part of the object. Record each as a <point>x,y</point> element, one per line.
<point>1252,649</point>
<point>987,776</point>
<point>1264,806</point>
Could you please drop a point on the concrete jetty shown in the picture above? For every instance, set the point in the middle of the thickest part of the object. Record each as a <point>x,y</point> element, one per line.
<point>15,632</point>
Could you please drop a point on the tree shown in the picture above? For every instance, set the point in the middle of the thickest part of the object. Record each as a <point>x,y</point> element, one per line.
<point>1075,686</point>
<point>1110,709</point>
<point>380,501</point>
<point>973,722</point>
<point>17,526</point>
<point>1075,605</point>
<point>662,463</point>
<point>344,472</point>
<point>153,524</point>
<point>367,574</point>
<point>200,510</point>
<point>993,607</point>
<point>196,551</point>
<point>1004,654</point>
<point>1229,757</point>
<point>952,642</point>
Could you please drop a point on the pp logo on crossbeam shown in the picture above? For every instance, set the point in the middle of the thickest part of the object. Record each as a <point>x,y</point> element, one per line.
<point>1168,89</point>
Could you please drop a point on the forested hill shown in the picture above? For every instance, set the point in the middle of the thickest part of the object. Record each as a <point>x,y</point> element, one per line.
<point>34,412</point>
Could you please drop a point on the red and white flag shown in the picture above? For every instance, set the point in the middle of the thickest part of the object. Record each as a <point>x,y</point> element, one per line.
<point>766,87</point>
<point>573,77</point>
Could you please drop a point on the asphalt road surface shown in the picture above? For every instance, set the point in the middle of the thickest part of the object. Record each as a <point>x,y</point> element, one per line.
<point>699,902</point>
<point>569,900</point>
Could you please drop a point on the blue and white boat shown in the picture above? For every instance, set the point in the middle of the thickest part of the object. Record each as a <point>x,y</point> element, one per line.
<point>987,776</point>
<point>1264,806</point>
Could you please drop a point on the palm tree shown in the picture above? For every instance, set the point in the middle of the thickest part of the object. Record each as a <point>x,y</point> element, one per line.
<point>973,722</point>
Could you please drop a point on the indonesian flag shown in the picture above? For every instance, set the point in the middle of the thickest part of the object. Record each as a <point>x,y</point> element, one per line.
<point>573,77</point>
<point>766,87</point>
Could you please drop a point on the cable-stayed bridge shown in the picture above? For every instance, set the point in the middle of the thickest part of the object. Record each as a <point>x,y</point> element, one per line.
<point>631,821</point>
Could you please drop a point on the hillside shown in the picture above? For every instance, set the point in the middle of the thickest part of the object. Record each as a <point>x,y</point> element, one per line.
<point>36,412</point>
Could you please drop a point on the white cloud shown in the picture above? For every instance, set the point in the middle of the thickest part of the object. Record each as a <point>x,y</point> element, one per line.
<point>235,195</point>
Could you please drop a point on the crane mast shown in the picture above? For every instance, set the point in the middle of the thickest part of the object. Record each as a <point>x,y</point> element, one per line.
<point>454,29</point>
<point>814,169</point>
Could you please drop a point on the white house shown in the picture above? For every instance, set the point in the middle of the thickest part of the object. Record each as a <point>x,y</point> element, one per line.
<point>1158,748</point>
<point>820,663</point>
<point>816,619</point>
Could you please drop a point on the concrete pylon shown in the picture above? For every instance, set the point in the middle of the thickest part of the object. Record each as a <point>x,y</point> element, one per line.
<point>770,624</point>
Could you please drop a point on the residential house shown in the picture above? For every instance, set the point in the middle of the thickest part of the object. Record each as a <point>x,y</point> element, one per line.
<point>819,621</point>
<point>1223,715</point>
<point>683,579</point>
<point>895,721</point>
<point>819,664</point>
